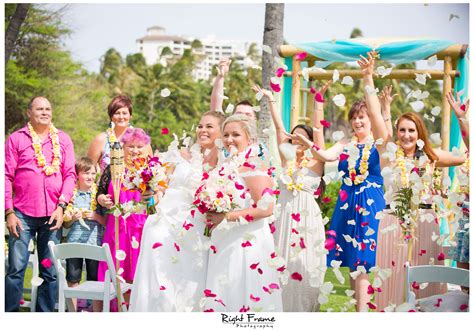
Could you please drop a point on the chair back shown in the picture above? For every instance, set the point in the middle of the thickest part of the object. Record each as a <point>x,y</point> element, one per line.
<point>436,274</point>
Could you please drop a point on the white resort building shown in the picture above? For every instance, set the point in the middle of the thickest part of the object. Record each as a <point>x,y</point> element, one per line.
<point>157,46</point>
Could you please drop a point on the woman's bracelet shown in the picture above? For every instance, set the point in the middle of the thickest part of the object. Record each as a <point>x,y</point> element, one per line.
<point>315,147</point>
<point>8,213</point>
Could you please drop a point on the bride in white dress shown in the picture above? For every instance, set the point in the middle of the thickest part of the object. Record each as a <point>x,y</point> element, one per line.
<point>242,270</point>
<point>172,265</point>
<point>300,234</point>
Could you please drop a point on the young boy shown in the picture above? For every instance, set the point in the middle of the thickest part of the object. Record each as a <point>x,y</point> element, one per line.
<point>86,227</point>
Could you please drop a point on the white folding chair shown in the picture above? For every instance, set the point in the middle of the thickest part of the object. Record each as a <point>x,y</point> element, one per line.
<point>92,290</point>
<point>434,274</point>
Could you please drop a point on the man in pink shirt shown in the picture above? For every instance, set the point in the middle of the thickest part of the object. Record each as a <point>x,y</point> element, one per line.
<point>39,181</point>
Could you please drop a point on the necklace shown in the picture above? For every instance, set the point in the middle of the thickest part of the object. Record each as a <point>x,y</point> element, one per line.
<point>295,184</point>
<point>40,158</point>
<point>364,164</point>
<point>70,207</point>
<point>401,165</point>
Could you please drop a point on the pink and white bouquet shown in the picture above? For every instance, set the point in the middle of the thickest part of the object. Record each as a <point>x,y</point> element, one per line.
<point>146,173</point>
<point>217,194</point>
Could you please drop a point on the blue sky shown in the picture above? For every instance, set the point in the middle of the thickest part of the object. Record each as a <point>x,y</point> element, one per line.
<point>98,27</point>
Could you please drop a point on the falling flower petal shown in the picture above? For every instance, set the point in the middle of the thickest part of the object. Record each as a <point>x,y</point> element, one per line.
<point>36,281</point>
<point>382,71</point>
<point>441,256</point>
<point>343,157</point>
<point>120,255</point>
<point>312,90</point>
<point>296,217</point>
<point>165,93</point>
<point>417,105</point>
<point>343,195</point>
<point>421,78</point>
<point>347,80</point>
<point>432,60</point>
<point>244,309</point>
<point>335,76</point>
<point>177,247</point>
<point>208,294</point>
<point>329,244</point>
<point>267,49</point>
<point>46,263</point>
<point>246,244</point>
<point>280,72</point>
<point>162,288</point>
<point>156,245</point>
<point>296,276</point>
<point>371,305</point>
<point>339,100</point>
<point>301,56</point>
<point>436,138</point>
<point>275,87</point>
<point>463,307</point>
<point>253,298</point>
<point>22,301</point>
<point>326,200</point>
<point>325,123</point>
<point>259,95</point>
<point>274,286</point>
<point>135,243</point>
<point>229,109</point>
<point>213,249</point>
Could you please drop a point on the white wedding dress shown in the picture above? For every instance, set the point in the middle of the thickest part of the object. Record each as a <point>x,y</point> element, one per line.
<point>232,275</point>
<point>300,242</point>
<point>171,269</point>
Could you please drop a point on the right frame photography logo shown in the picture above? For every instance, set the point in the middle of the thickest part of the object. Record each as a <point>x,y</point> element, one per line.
<point>248,320</point>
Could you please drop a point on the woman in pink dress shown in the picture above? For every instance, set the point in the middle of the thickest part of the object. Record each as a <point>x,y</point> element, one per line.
<point>134,143</point>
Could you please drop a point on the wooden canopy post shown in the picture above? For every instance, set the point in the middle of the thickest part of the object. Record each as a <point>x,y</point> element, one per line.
<point>446,110</point>
<point>295,93</point>
<point>309,99</point>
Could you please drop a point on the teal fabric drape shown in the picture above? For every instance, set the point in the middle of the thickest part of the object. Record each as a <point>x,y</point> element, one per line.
<point>286,98</point>
<point>395,52</point>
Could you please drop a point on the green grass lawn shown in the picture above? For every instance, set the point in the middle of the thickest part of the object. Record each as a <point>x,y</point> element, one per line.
<point>336,300</point>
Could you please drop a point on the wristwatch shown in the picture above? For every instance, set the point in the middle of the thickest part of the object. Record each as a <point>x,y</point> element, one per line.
<point>63,205</point>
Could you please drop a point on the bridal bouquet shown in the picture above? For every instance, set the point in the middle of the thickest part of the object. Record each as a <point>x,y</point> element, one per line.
<point>146,173</point>
<point>216,194</point>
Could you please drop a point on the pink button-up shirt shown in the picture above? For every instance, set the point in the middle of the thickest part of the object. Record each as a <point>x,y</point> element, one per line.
<point>36,194</point>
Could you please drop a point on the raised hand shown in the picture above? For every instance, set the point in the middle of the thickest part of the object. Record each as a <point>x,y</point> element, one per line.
<point>319,96</point>
<point>223,67</point>
<point>266,93</point>
<point>386,96</point>
<point>456,104</point>
<point>367,64</point>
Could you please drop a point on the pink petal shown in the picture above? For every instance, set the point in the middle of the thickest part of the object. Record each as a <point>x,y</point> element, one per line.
<point>164,131</point>
<point>317,193</point>
<point>162,288</point>
<point>463,133</point>
<point>273,255</point>
<point>296,276</point>
<point>281,269</point>
<point>220,301</point>
<point>280,72</point>
<point>46,263</point>
<point>274,286</point>
<point>325,123</point>
<point>319,97</point>
<point>301,56</point>
<point>248,165</point>
<point>244,309</point>
<point>326,199</point>
<point>254,266</point>
<point>208,293</point>
<point>296,217</point>
<point>371,305</point>
<point>177,247</point>
<point>272,227</point>
<point>266,290</point>
<point>238,186</point>
<point>331,233</point>
<point>463,306</point>
<point>302,245</point>
<point>312,90</point>
<point>256,299</point>
<point>249,218</point>
<point>213,248</point>
<point>439,302</point>
<point>343,195</point>
<point>294,231</point>
<point>187,225</point>
<point>415,286</point>
<point>275,87</point>
<point>370,290</point>
<point>329,243</point>
<point>364,224</point>
<point>260,271</point>
<point>463,107</point>
<point>422,252</point>
<point>156,245</point>
<point>209,310</point>
<point>22,301</point>
<point>343,156</point>
<point>441,256</point>
<point>246,244</point>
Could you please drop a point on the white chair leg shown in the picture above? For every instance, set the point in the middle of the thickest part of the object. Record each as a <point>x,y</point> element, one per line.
<point>106,302</point>
<point>34,289</point>
<point>106,305</point>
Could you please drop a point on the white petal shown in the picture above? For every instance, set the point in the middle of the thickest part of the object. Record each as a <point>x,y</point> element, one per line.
<point>382,71</point>
<point>256,109</point>
<point>275,80</point>
<point>267,49</point>
<point>377,282</point>
<point>347,181</point>
<point>432,60</point>
<point>351,222</point>
<point>322,299</point>
<point>371,90</point>
<point>337,135</point>
<point>346,205</point>
<point>369,232</point>
<point>421,78</point>
<point>347,80</point>
<point>417,105</point>
<point>349,293</point>
<point>370,202</point>
<point>135,243</point>
<point>339,100</point>
<point>229,109</point>
<point>165,93</point>
<point>120,271</point>
<point>335,76</point>
<point>36,281</point>
<point>436,138</point>
<point>435,111</point>
<point>259,95</point>
<point>120,255</point>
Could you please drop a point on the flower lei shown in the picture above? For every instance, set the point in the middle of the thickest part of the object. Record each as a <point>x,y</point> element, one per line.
<point>40,158</point>
<point>111,135</point>
<point>364,163</point>
<point>401,165</point>
<point>296,184</point>
<point>70,207</point>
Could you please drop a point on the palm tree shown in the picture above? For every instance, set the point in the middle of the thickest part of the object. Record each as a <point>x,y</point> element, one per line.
<point>13,29</point>
<point>272,37</point>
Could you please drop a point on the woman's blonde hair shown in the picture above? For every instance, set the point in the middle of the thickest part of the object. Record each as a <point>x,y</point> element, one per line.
<point>247,124</point>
